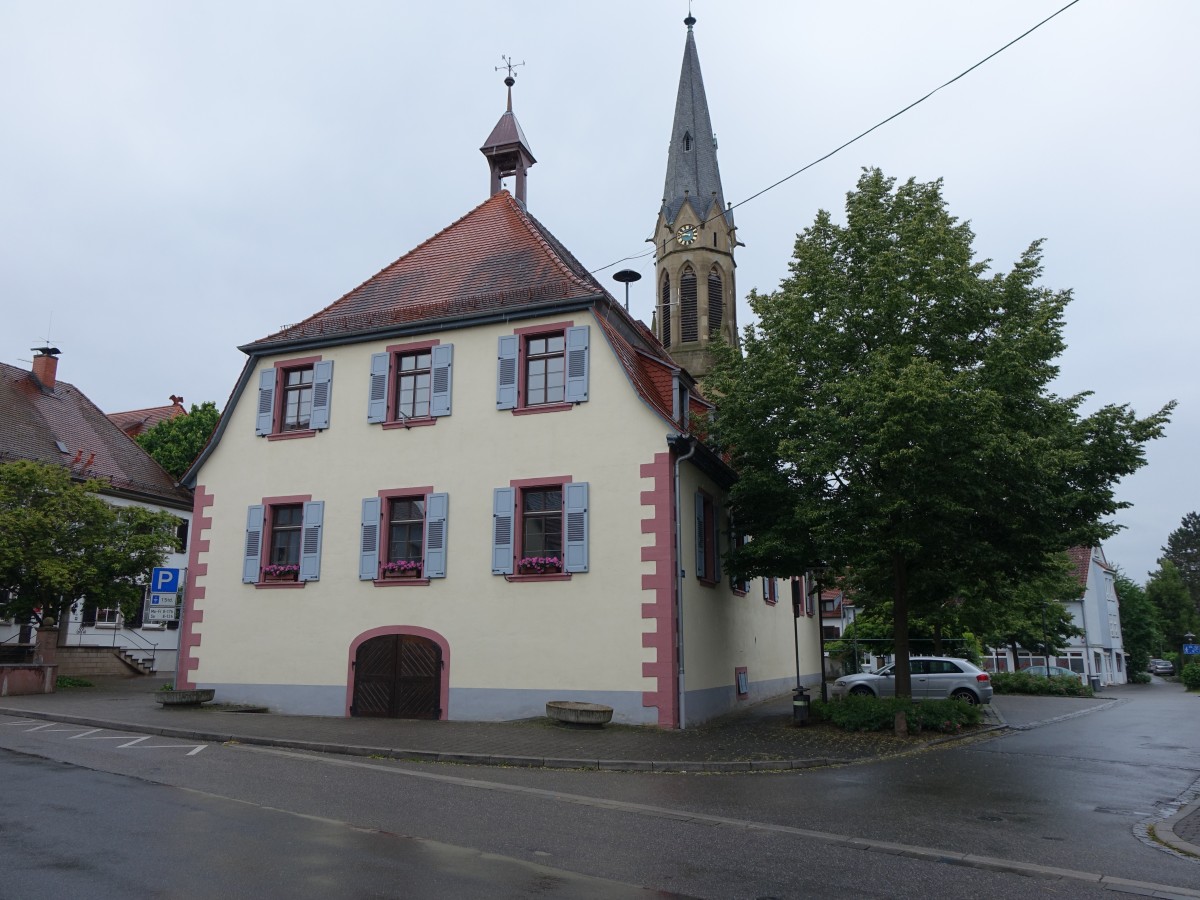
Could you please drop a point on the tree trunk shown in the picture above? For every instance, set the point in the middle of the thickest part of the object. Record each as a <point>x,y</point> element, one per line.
<point>1016,659</point>
<point>937,639</point>
<point>900,626</point>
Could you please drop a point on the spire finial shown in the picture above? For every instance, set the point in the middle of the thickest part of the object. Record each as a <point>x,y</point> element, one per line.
<point>511,78</point>
<point>690,20</point>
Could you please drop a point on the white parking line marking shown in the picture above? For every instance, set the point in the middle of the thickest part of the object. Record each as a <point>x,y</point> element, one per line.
<point>133,742</point>
<point>107,737</point>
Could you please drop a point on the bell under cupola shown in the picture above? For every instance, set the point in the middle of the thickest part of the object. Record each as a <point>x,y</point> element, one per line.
<point>695,237</point>
<point>506,149</point>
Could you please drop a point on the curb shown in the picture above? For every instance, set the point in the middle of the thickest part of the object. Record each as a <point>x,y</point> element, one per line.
<point>486,759</point>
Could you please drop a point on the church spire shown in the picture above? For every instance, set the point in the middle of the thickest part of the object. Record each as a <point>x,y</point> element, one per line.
<point>694,238</point>
<point>506,149</point>
<point>692,172</point>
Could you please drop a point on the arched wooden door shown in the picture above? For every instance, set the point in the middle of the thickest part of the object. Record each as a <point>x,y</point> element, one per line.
<point>397,676</point>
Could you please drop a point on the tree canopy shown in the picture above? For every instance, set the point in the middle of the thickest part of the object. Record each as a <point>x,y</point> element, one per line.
<point>61,542</point>
<point>1167,592</point>
<point>1141,632</point>
<point>175,443</point>
<point>1183,549</point>
<point>892,418</point>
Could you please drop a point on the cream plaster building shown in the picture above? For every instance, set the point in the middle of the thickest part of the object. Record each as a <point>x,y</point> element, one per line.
<point>471,485</point>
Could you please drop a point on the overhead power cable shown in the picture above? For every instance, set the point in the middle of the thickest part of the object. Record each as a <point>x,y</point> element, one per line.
<point>859,137</point>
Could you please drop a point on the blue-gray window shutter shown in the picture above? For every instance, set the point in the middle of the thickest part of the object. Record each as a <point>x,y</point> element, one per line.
<point>368,556</point>
<point>575,499</point>
<point>766,591</point>
<point>377,396</point>
<point>437,506</point>
<point>266,402</point>
<point>322,395</point>
<point>310,541</point>
<point>252,557</point>
<point>577,364</point>
<point>506,371</point>
<point>442,363</point>
<point>701,571</point>
<point>716,542</point>
<point>503,507</point>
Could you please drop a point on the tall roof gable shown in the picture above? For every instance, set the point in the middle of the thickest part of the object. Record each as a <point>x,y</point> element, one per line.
<point>496,257</point>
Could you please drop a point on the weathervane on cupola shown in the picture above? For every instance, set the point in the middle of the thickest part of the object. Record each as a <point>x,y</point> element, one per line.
<point>506,149</point>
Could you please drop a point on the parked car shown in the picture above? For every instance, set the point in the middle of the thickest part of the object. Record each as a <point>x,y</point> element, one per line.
<point>1162,667</point>
<point>933,678</point>
<point>1055,671</point>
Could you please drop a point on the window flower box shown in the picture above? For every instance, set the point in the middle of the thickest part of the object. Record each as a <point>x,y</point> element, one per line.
<point>539,565</point>
<point>404,568</point>
<point>275,573</point>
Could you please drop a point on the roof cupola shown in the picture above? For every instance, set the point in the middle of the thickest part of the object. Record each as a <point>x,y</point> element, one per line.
<point>506,149</point>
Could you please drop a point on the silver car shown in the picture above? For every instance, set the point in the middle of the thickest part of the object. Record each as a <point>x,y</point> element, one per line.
<point>933,678</point>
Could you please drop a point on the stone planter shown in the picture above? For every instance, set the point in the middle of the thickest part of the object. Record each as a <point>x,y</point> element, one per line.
<point>185,698</point>
<point>575,713</point>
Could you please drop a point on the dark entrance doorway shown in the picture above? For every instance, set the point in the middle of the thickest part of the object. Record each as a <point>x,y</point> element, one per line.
<point>398,676</point>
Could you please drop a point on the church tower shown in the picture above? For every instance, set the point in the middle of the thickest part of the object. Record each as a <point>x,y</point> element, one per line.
<point>695,296</point>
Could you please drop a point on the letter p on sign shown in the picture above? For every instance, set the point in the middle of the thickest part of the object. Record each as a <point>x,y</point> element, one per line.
<point>164,581</point>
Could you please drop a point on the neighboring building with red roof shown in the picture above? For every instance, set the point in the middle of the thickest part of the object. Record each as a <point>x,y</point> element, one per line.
<point>51,421</point>
<point>136,422</point>
<point>472,485</point>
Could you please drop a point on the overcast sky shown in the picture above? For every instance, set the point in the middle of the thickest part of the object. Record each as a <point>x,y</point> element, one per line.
<point>181,178</point>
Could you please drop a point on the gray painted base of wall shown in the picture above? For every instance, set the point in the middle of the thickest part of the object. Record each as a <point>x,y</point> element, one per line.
<point>499,705</point>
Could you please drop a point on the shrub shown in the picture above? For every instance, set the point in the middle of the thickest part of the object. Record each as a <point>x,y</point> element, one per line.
<point>861,713</point>
<point>1024,683</point>
<point>1139,677</point>
<point>1191,676</point>
<point>70,681</point>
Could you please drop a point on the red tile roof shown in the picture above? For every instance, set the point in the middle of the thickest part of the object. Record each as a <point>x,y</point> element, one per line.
<point>138,421</point>
<point>496,257</point>
<point>1081,559</point>
<point>35,421</point>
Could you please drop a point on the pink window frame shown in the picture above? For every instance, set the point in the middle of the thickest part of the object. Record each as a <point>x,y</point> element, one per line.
<point>519,485</point>
<point>385,497</point>
<point>523,336</point>
<point>268,504</point>
<point>282,367</point>
<point>395,351</point>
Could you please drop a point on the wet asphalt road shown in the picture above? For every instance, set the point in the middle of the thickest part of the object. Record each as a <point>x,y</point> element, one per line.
<point>160,818</point>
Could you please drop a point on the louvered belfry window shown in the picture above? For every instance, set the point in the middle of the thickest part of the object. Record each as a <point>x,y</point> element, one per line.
<point>664,315</point>
<point>716,302</point>
<point>689,320</point>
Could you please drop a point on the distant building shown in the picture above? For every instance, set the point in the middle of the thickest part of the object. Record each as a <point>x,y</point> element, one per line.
<point>50,421</point>
<point>136,422</point>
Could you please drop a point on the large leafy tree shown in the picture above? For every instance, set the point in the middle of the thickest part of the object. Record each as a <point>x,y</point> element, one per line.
<point>175,443</point>
<point>1183,549</point>
<point>1140,630</point>
<point>891,416</point>
<point>60,542</point>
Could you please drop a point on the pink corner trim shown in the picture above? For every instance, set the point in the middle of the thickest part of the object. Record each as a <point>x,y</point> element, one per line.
<point>658,505</point>
<point>414,631</point>
<point>189,640</point>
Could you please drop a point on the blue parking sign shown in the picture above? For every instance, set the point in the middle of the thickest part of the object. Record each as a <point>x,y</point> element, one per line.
<point>164,581</point>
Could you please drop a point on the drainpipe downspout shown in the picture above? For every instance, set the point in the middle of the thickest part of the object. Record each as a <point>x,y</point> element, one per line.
<point>679,579</point>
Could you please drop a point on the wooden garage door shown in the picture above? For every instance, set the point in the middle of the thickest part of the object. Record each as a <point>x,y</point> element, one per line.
<point>398,676</point>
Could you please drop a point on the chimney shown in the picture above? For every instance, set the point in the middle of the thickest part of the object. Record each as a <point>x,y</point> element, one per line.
<point>45,366</point>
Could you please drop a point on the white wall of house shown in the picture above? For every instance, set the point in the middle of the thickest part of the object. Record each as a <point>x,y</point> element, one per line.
<point>512,645</point>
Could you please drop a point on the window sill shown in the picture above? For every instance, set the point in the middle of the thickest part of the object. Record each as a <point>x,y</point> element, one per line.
<point>272,585</point>
<point>556,576</point>
<point>739,592</point>
<point>291,435</point>
<point>543,408</point>
<point>411,423</point>
<point>400,582</point>
<point>105,625</point>
<point>707,582</point>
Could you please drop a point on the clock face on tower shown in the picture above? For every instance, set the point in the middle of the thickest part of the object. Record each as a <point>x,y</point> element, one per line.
<point>687,235</point>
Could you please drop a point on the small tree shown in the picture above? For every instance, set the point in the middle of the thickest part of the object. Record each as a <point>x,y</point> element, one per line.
<point>61,543</point>
<point>892,415</point>
<point>1140,630</point>
<point>175,443</point>
<point>1168,594</point>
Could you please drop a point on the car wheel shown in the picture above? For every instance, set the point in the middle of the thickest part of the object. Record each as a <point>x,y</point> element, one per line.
<point>860,691</point>
<point>966,696</point>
